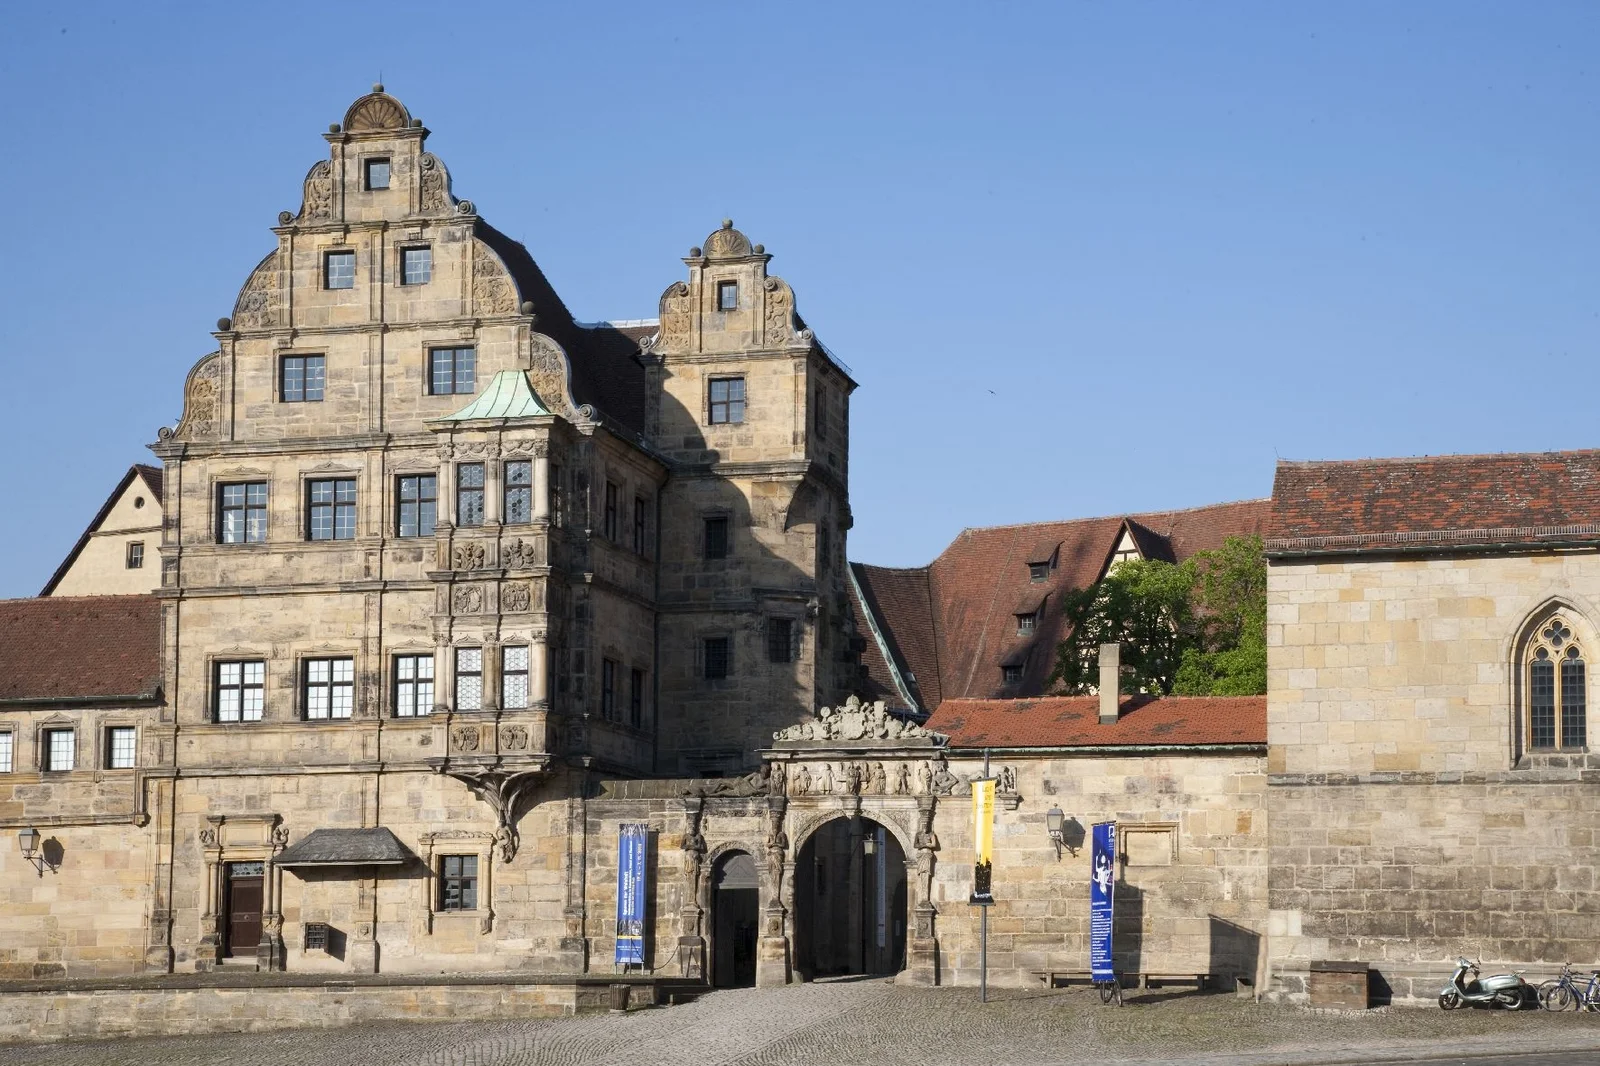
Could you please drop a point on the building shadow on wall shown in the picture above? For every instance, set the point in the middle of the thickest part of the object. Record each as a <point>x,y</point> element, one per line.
<point>1127,930</point>
<point>1235,951</point>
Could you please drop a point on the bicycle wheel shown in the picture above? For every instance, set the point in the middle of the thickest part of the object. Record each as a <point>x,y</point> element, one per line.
<point>1555,996</point>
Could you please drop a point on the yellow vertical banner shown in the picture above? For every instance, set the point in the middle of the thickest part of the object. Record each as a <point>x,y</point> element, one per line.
<point>982,840</point>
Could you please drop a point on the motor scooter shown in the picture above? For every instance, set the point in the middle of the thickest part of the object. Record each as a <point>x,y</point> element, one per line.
<point>1506,990</point>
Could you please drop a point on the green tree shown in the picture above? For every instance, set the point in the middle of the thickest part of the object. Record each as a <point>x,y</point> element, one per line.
<point>1196,628</point>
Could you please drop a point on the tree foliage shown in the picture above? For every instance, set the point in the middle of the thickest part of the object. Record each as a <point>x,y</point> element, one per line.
<point>1196,628</point>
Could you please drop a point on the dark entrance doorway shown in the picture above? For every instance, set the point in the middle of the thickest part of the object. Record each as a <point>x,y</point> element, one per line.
<point>850,901</point>
<point>244,898</point>
<point>734,913</point>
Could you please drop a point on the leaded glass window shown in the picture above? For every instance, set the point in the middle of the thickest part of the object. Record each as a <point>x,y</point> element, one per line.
<point>514,676</point>
<point>469,679</point>
<point>469,494</point>
<point>329,688</point>
<point>519,492</point>
<point>1558,693</point>
<point>413,685</point>
<point>240,690</point>
<point>331,509</point>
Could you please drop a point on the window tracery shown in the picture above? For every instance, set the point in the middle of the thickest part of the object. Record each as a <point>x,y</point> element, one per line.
<point>1557,686</point>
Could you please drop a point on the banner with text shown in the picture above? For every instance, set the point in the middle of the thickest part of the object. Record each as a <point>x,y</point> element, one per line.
<point>1102,887</point>
<point>983,840</point>
<point>633,845</point>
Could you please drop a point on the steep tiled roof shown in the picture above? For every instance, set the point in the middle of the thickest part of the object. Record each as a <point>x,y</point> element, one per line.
<point>954,623</point>
<point>1073,721</point>
<point>150,475</point>
<point>80,648</point>
<point>1447,501</point>
<point>898,600</point>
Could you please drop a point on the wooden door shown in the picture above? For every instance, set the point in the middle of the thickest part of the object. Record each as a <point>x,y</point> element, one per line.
<point>244,908</point>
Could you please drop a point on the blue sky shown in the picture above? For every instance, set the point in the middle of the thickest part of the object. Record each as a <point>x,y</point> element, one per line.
<point>1083,258</point>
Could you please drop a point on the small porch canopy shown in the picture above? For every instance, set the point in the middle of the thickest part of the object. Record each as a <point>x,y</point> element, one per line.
<point>346,847</point>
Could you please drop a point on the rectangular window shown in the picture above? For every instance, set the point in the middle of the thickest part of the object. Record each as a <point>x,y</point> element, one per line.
<point>640,524</point>
<point>458,883</point>
<point>780,640</point>
<point>1011,674</point>
<point>558,499</point>
<point>377,174</point>
<point>469,679</point>
<point>135,558</point>
<point>727,296</point>
<point>716,544</point>
<point>1038,571</point>
<point>339,270</point>
<point>514,676</point>
<point>5,753</point>
<point>60,749</point>
<point>727,401</point>
<point>331,509</point>
<point>519,492</point>
<point>240,690</point>
<point>469,494</point>
<point>636,699</point>
<point>452,370</point>
<point>611,513</point>
<point>1574,702</point>
<point>120,748</point>
<point>301,378</point>
<point>416,266</point>
<point>608,690</point>
<point>418,501</point>
<point>329,688</point>
<point>716,653</point>
<point>242,513</point>
<point>413,686</point>
<point>1026,623</point>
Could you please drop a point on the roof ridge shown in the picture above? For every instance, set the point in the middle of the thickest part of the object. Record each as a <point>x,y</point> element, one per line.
<point>1399,459</point>
<point>1120,515</point>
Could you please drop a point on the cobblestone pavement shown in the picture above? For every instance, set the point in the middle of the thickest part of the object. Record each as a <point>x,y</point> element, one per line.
<point>872,1022</point>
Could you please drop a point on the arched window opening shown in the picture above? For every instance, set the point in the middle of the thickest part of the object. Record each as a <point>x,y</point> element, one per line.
<point>1557,690</point>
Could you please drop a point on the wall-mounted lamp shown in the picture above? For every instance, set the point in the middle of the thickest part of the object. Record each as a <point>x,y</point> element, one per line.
<point>28,840</point>
<point>869,845</point>
<point>1056,823</point>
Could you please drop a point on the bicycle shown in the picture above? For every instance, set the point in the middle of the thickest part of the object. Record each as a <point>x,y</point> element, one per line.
<point>1563,992</point>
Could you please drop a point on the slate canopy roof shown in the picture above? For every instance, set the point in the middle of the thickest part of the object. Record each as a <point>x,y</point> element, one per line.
<point>346,847</point>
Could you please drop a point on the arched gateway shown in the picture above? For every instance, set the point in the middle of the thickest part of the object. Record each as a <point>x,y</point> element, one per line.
<point>850,901</point>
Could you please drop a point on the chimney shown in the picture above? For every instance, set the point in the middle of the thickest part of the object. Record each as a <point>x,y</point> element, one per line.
<point>1110,681</point>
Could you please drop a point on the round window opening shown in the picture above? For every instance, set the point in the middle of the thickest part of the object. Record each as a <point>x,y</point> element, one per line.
<point>138,501</point>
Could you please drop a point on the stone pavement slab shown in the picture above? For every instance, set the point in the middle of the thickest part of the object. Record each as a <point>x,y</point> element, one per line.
<point>872,1022</point>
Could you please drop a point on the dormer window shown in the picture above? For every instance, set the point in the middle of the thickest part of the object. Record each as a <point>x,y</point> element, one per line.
<point>1011,675</point>
<point>377,174</point>
<point>1042,560</point>
<point>1038,571</point>
<point>1027,623</point>
<point>727,296</point>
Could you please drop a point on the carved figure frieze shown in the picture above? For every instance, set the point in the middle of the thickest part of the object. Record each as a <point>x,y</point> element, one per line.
<point>467,599</point>
<point>468,556</point>
<point>902,779</point>
<point>280,835</point>
<point>758,783</point>
<point>515,596</point>
<point>493,292</point>
<point>802,782</point>
<point>853,721</point>
<point>942,782</point>
<point>877,781</point>
<point>520,554</point>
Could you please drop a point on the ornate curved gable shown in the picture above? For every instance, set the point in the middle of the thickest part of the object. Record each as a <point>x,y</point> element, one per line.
<point>258,303</point>
<point>376,111</point>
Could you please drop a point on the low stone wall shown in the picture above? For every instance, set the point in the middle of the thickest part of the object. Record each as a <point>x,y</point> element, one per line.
<point>51,1011</point>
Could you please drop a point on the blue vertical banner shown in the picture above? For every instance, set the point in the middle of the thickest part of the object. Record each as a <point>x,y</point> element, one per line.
<point>633,845</point>
<point>1102,893</point>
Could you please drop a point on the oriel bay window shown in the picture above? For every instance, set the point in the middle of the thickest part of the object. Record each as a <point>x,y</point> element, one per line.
<point>413,685</point>
<point>328,688</point>
<point>519,492</point>
<point>469,679</point>
<point>331,509</point>
<point>1557,689</point>
<point>242,513</point>
<point>418,500</point>
<point>469,494</point>
<point>239,690</point>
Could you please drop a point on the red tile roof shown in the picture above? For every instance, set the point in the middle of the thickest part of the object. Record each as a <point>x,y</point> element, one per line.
<point>1444,501</point>
<point>899,601</point>
<point>80,648</point>
<point>954,622</point>
<point>1073,722</point>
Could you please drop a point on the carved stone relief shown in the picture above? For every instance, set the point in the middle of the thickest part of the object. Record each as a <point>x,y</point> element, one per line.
<point>376,111</point>
<point>780,312</point>
<point>492,290</point>
<point>548,374</point>
<point>318,204</point>
<point>727,242</point>
<point>854,720</point>
<point>676,317</point>
<point>515,596</point>
<point>469,556</point>
<point>514,738</point>
<point>435,184</point>
<point>200,400</point>
<point>257,306</point>
<point>468,599</point>
<point>521,555</point>
<point>465,738</point>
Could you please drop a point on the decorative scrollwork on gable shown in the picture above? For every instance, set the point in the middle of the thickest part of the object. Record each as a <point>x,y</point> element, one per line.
<point>727,242</point>
<point>677,318</point>
<point>493,291</point>
<point>318,203</point>
<point>780,312</point>
<point>202,395</point>
<point>550,375</point>
<point>436,196</point>
<point>257,306</point>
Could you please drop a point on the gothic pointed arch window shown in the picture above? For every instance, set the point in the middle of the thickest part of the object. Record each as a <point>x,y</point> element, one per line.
<point>1557,687</point>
